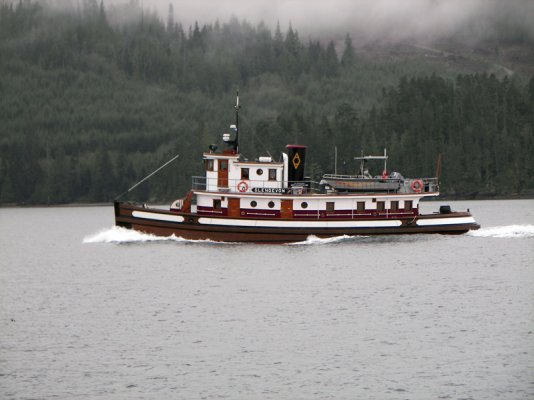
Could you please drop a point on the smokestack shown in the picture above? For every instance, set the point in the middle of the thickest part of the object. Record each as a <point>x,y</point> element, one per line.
<point>297,160</point>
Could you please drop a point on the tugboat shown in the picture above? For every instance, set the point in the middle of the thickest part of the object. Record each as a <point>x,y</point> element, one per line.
<point>268,201</point>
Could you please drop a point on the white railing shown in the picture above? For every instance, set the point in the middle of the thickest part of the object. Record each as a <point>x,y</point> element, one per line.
<point>251,185</point>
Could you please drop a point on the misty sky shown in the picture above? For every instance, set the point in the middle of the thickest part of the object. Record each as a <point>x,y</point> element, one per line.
<point>374,19</point>
<point>390,18</point>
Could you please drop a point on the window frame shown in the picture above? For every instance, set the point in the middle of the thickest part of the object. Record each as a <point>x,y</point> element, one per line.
<point>380,206</point>
<point>209,164</point>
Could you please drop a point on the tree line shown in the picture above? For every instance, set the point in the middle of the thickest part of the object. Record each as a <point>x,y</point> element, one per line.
<point>91,102</point>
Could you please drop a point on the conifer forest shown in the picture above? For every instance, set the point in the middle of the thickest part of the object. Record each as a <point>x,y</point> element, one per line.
<point>92,101</point>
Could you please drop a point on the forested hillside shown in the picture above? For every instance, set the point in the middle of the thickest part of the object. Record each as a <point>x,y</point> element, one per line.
<point>91,102</point>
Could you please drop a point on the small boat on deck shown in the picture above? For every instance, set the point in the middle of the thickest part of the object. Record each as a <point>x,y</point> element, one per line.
<point>268,201</point>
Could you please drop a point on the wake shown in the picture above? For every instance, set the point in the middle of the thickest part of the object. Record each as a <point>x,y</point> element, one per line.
<point>505,232</point>
<point>314,240</point>
<point>117,234</point>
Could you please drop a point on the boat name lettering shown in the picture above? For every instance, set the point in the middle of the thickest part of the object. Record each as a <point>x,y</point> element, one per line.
<point>269,190</point>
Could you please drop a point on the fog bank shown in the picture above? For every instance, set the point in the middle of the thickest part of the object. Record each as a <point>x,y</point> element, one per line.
<point>374,20</point>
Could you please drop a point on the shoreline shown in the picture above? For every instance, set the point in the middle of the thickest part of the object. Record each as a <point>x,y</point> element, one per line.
<point>444,197</point>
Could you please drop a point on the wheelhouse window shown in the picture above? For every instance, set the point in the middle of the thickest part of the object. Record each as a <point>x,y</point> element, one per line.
<point>380,205</point>
<point>272,174</point>
<point>244,173</point>
<point>394,205</point>
<point>330,206</point>
<point>223,165</point>
<point>216,204</point>
<point>408,205</point>
<point>208,165</point>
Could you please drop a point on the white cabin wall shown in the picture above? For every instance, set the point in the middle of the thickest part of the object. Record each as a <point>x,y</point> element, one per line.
<point>211,179</point>
<point>206,200</point>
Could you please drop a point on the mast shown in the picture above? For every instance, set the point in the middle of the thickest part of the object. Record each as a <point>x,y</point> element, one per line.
<point>438,167</point>
<point>335,160</point>
<point>237,107</point>
<point>227,137</point>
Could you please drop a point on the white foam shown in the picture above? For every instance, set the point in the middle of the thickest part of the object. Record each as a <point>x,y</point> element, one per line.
<point>117,234</point>
<point>314,240</point>
<point>507,232</point>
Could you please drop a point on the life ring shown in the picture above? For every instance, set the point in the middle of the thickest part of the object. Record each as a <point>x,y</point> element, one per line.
<point>242,186</point>
<point>417,185</point>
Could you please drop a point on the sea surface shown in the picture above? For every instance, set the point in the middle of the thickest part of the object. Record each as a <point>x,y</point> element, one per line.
<point>89,311</point>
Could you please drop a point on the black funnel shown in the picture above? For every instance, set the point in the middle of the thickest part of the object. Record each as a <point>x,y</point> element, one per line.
<point>297,161</point>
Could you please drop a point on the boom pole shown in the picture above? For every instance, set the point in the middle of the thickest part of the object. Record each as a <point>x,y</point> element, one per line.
<point>148,176</point>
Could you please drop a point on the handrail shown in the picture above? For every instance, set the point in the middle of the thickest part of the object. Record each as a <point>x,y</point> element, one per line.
<point>392,185</point>
<point>202,183</point>
<point>375,178</point>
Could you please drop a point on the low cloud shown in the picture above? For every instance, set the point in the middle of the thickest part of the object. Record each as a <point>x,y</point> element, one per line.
<point>376,19</point>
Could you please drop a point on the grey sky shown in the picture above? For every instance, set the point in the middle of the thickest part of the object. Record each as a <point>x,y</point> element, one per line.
<point>393,19</point>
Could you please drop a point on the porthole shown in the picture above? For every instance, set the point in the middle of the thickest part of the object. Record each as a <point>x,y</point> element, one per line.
<point>253,203</point>
<point>271,204</point>
<point>259,171</point>
<point>304,204</point>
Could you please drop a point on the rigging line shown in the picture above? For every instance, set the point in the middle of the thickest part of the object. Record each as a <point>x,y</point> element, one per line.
<point>148,176</point>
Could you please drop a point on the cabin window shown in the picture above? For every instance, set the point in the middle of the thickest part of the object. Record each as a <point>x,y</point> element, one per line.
<point>304,204</point>
<point>208,165</point>
<point>360,206</point>
<point>223,165</point>
<point>244,173</point>
<point>408,205</point>
<point>272,174</point>
<point>380,205</point>
<point>259,171</point>
<point>253,203</point>
<point>394,205</point>
<point>216,204</point>
<point>330,206</point>
<point>271,204</point>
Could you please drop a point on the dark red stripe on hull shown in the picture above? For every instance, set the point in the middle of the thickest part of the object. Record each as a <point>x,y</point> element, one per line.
<point>191,229</point>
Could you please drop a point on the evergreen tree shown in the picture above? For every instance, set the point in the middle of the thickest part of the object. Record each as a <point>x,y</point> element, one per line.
<point>349,57</point>
<point>90,102</point>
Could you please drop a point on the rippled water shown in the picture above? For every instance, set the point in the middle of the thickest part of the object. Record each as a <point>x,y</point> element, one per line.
<point>92,311</point>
